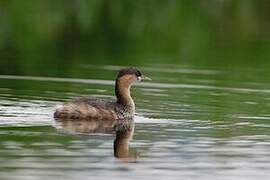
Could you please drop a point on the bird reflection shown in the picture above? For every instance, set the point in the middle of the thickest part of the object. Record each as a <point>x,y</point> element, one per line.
<point>123,130</point>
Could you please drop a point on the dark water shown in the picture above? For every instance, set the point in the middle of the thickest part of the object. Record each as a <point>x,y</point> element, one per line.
<point>191,123</point>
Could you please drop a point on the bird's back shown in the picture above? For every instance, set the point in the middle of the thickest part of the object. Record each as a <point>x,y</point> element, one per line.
<point>87,108</point>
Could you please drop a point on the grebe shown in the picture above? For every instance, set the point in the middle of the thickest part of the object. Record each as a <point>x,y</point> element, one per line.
<point>92,108</point>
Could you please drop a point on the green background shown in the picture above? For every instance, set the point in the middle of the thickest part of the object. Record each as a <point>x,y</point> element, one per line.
<point>51,37</point>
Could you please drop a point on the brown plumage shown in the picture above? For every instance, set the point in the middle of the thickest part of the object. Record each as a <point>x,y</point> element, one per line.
<point>93,108</point>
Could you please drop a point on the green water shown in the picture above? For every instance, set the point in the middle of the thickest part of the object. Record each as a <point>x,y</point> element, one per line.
<point>190,123</point>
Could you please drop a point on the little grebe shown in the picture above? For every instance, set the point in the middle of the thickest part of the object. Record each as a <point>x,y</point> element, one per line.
<point>91,108</point>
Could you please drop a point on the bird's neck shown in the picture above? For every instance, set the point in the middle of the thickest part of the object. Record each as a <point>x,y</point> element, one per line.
<point>122,92</point>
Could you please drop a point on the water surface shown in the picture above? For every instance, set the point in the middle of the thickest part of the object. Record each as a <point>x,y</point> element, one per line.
<point>191,123</point>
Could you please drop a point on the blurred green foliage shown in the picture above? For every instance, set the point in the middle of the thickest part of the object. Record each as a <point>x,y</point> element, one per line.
<point>41,36</point>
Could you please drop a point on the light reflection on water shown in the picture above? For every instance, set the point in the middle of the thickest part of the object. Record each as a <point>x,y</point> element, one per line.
<point>198,130</point>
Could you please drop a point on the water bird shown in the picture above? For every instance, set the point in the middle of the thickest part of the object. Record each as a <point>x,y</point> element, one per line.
<point>95,108</point>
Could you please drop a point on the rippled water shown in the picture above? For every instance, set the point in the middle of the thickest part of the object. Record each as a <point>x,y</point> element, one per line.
<point>190,124</point>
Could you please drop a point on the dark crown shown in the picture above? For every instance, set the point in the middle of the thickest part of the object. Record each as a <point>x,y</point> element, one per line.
<point>126,71</point>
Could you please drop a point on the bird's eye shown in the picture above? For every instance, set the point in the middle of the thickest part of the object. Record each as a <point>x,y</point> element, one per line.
<point>139,78</point>
<point>138,74</point>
